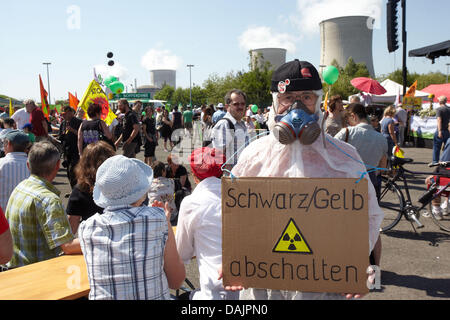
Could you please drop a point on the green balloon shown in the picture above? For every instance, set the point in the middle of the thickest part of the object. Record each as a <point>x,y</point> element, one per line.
<point>117,87</point>
<point>254,108</point>
<point>107,82</point>
<point>330,74</point>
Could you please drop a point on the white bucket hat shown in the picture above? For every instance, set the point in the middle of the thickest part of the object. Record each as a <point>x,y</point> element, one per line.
<point>121,181</point>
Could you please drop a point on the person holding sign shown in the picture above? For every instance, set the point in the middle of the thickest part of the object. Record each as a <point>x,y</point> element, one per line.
<point>298,148</point>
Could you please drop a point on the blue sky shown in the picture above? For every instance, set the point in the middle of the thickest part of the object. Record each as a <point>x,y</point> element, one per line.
<point>213,35</point>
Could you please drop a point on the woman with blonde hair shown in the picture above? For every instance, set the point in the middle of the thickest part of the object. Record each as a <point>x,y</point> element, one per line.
<point>388,128</point>
<point>81,205</point>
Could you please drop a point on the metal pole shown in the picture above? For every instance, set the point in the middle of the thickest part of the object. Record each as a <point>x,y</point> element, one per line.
<point>448,64</point>
<point>190,84</point>
<point>404,37</point>
<point>48,82</point>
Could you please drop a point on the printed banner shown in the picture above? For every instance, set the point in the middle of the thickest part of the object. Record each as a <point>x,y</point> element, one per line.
<point>310,235</point>
<point>423,127</point>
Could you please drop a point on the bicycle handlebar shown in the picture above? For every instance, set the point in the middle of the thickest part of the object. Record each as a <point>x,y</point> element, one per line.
<point>444,164</point>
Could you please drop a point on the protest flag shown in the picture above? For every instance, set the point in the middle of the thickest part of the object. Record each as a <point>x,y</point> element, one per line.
<point>325,103</point>
<point>95,94</point>
<point>73,101</point>
<point>11,110</point>
<point>44,103</point>
<point>412,90</point>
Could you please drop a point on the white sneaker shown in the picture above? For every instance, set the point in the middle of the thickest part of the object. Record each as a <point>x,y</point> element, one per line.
<point>445,207</point>
<point>437,213</point>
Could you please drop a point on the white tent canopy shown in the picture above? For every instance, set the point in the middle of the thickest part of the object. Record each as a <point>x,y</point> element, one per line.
<point>392,90</point>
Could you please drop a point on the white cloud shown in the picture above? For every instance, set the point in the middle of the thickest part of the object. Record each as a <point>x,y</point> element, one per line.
<point>117,70</point>
<point>157,58</point>
<point>265,37</point>
<point>312,12</point>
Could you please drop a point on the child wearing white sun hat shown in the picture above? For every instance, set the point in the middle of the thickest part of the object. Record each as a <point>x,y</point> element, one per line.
<point>130,249</point>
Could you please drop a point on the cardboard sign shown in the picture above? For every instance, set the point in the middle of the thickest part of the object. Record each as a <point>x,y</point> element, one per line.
<point>309,235</point>
<point>412,101</point>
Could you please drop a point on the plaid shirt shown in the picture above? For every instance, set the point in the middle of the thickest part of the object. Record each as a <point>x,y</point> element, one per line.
<point>38,222</point>
<point>124,253</point>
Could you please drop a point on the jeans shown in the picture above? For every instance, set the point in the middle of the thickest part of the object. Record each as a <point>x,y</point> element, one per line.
<point>437,144</point>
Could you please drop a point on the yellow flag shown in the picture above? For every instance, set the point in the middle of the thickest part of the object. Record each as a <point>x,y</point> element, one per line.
<point>412,90</point>
<point>95,94</point>
<point>11,110</point>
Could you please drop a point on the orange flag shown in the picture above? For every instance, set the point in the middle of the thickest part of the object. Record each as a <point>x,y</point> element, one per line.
<point>73,101</point>
<point>44,102</point>
<point>325,103</point>
<point>412,90</point>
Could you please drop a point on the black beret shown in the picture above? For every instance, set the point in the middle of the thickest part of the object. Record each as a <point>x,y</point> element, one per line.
<point>296,76</point>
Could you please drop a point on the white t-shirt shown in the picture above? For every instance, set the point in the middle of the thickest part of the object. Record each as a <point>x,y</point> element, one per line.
<point>402,115</point>
<point>199,234</point>
<point>21,117</point>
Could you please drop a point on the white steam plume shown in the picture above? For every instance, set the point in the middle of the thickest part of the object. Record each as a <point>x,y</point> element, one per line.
<point>312,12</point>
<point>265,37</point>
<point>156,59</point>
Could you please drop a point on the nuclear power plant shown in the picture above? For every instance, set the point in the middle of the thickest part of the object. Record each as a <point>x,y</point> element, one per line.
<point>275,56</point>
<point>346,37</point>
<point>159,78</point>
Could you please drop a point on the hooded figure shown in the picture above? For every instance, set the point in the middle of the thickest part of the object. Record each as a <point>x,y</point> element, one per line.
<point>298,147</point>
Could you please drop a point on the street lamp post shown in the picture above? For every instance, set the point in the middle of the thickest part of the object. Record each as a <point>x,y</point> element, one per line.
<point>48,81</point>
<point>190,83</point>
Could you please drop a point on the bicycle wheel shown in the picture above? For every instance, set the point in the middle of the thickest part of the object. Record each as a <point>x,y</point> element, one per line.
<point>392,204</point>
<point>443,222</point>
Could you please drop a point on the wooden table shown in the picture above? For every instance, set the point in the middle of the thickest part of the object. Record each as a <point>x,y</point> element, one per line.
<point>62,278</point>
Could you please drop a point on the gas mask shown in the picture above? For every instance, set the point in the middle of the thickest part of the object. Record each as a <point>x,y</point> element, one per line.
<point>299,123</point>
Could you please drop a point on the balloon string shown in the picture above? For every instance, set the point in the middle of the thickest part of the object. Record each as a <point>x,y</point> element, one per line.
<point>265,133</point>
<point>363,174</point>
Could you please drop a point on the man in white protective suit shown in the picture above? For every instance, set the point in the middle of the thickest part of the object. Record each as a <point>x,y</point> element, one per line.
<point>309,152</point>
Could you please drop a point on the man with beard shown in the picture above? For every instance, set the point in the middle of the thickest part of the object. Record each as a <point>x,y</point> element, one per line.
<point>131,128</point>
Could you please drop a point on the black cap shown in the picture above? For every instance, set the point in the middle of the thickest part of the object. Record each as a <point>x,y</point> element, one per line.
<point>296,76</point>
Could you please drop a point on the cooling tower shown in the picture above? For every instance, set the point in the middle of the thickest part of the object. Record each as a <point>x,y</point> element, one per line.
<point>346,37</point>
<point>275,56</point>
<point>159,78</point>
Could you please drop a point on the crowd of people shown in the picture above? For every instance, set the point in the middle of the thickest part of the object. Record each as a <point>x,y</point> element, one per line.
<point>121,210</point>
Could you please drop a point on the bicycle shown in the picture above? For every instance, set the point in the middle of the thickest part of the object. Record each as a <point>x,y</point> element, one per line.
<point>395,205</point>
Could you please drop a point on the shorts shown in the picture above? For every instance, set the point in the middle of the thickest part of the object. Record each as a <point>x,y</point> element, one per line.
<point>149,149</point>
<point>129,150</point>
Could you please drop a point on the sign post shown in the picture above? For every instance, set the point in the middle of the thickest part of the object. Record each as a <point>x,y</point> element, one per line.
<point>133,96</point>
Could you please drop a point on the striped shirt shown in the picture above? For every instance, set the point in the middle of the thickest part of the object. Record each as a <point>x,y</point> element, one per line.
<point>38,222</point>
<point>233,142</point>
<point>124,253</point>
<point>13,170</point>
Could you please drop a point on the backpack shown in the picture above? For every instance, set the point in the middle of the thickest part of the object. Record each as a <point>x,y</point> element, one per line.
<point>208,141</point>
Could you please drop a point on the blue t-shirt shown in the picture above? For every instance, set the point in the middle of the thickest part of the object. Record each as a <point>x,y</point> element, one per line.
<point>385,127</point>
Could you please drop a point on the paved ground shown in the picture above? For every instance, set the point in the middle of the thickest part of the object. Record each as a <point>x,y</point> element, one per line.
<point>415,266</point>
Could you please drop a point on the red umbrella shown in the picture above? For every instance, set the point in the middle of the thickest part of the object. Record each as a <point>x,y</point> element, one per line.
<point>368,85</point>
